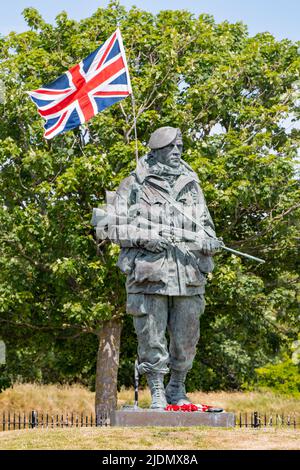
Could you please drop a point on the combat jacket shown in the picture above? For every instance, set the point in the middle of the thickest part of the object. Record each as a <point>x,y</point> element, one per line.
<point>148,194</point>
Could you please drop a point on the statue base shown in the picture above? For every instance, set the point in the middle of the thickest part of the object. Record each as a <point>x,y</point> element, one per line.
<point>147,417</point>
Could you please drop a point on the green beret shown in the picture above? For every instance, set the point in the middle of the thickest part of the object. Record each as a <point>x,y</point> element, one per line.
<point>162,136</point>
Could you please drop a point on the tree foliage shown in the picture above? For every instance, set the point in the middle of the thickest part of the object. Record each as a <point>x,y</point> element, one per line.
<point>230,94</point>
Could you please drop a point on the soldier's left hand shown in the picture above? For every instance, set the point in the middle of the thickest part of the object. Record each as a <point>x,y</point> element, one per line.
<point>156,245</point>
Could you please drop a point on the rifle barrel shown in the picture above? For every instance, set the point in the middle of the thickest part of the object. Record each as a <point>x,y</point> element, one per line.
<point>240,253</point>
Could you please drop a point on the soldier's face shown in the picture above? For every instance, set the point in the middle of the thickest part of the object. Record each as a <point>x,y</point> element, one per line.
<point>170,154</point>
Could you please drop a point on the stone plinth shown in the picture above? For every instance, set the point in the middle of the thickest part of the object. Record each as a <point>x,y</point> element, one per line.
<point>147,417</point>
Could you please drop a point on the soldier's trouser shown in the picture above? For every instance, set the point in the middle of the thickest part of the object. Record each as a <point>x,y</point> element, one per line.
<point>152,316</point>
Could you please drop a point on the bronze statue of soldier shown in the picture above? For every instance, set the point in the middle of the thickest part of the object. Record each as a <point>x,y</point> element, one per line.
<point>167,240</point>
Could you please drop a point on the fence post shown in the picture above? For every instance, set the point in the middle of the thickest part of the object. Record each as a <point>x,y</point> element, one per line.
<point>255,420</point>
<point>34,419</point>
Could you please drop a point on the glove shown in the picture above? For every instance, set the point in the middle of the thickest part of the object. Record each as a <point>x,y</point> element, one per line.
<point>210,246</point>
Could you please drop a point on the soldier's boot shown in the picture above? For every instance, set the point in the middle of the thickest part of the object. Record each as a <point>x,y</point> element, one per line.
<point>156,384</point>
<point>175,390</point>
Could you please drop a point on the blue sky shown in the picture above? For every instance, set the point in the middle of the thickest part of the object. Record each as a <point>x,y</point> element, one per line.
<point>279,17</point>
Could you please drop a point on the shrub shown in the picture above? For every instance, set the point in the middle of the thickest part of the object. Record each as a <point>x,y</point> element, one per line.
<point>283,377</point>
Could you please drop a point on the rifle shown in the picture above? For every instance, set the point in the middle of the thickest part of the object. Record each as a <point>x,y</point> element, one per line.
<point>189,236</point>
<point>101,218</point>
<point>136,383</point>
<point>173,203</point>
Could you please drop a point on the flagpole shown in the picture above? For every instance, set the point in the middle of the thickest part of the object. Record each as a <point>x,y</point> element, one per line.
<point>131,92</point>
<point>135,130</point>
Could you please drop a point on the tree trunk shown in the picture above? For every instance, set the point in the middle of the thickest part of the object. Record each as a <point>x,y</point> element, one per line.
<point>107,366</point>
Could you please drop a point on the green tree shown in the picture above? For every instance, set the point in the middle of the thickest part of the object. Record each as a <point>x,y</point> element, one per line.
<point>229,93</point>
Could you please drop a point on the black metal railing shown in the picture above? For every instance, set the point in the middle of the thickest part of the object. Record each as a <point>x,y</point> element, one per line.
<point>13,421</point>
<point>265,420</point>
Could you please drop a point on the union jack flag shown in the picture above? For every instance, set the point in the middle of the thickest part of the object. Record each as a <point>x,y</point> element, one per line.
<point>98,81</point>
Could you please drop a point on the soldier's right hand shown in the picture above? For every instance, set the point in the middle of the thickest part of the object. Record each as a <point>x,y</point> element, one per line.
<point>156,245</point>
<point>210,246</point>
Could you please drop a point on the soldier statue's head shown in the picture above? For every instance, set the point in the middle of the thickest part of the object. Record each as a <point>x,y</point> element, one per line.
<point>166,146</point>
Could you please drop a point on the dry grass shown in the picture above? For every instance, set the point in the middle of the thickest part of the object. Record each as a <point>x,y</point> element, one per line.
<point>47,398</point>
<point>151,438</point>
<point>56,398</point>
